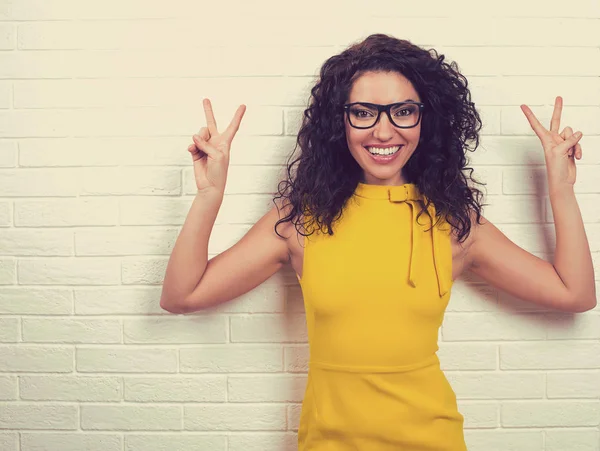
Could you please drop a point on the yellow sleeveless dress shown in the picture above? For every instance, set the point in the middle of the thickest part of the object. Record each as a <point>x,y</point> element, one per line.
<point>375,293</point>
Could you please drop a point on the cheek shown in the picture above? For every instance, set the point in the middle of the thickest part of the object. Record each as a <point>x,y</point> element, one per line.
<point>355,137</point>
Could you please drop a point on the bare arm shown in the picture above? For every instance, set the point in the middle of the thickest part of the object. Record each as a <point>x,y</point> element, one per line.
<point>567,285</point>
<point>190,254</point>
<point>192,283</point>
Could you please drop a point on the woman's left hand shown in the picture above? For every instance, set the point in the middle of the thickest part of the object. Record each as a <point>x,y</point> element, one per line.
<point>560,149</point>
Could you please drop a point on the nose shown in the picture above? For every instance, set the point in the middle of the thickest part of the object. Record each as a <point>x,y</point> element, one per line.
<point>384,129</point>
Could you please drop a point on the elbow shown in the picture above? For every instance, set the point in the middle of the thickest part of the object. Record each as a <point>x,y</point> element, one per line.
<point>581,307</point>
<point>173,306</point>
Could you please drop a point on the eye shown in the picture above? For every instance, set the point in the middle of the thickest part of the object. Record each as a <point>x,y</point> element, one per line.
<point>361,113</point>
<point>406,111</point>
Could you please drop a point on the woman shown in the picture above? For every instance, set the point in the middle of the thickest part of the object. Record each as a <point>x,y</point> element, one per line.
<point>379,221</point>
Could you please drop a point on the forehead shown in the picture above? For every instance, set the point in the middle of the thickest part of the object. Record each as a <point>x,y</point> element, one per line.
<point>382,87</point>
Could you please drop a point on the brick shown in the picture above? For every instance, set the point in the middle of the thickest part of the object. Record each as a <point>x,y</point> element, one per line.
<point>268,328</point>
<point>550,413</point>
<point>70,388</point>
<point>130,181</point>
<point>568,326</point>
<point>497,385</point>
<point>31,182</point>
<point>104,151</point>
<point>534,180</point>
<point>524,150</point>
<point>187,442</point>
<point>143,270</point>
<point>130,418</point>
<point>263,442</point>
<point>468,356</point>
<point>124,241</point>
<point>582,384</point>
<point>33,123</point>
<point>34,359</point>
<point>101,301</point>
<point>533,91</point>
<point>175,389</point>
<point>583,118</point>
<point>492,326</point>
<point>498,439</point>
<point>70,441</point>
<point>8,154</point>
<point>176,329</point>
<point>66,212</point>
<point>515,209</point>
<point>5,88</point>
<point>231,358</point>
<point>479,414</point>
<point>552,355</point>
<point>70,271</point>
<point>576,440</point>
<point>271,388</point>
<point>8,36</point>
<point>35,301</point>
<point>126,359</point>
<point>37,242</point>
<point>9,441</point>
<point>8,389</point>
<point>234,417</point>
<point>472,298</point>
<point>8,275</point>
<point>490,176</point>
<point>38,416</point>
<point>72,330</point>
<point>9,330</point>
<point>296,358</point>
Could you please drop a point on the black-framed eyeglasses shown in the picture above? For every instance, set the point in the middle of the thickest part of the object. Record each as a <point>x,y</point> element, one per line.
<point>402,114</point>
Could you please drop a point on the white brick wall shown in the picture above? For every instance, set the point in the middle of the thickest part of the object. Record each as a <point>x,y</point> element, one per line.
<point>98,101</point>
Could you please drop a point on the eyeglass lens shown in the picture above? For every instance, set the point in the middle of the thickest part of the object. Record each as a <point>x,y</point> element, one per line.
<point>403,115</point>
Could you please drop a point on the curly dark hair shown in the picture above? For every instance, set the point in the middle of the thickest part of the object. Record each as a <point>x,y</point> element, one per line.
<point>327,174</point>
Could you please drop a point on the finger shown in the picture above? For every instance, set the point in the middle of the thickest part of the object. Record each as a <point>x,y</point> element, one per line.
<point>210,117</point>
<point>567,131</point>
<point>196,154</point>
<point>234,126</point>
<point>578,151</point>
<point>204,146</point>
<point>572,141</point>
<point>204,133</point>
<point>566,134</point>
<point>555,121</point>
<point>537,127</point>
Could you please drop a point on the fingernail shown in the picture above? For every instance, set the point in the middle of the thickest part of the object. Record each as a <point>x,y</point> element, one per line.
<point>578,134</point>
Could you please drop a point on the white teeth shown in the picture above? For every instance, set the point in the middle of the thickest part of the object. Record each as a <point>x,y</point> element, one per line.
<point>386,151</point>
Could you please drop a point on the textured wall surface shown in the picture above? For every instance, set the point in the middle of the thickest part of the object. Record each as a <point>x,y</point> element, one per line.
<point>98,101</point>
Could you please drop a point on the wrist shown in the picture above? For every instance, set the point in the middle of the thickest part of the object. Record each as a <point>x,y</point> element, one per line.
<point>210,193</point>
<point>561,191</point>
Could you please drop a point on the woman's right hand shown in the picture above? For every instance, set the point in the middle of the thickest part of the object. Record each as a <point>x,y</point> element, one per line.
<point>210,150</point>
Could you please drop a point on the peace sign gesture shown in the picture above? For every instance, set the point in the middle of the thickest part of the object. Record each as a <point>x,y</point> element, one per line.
<point>560,149</point>
<point>210,150</point>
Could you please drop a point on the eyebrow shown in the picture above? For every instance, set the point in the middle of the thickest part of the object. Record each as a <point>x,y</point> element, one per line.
<point>400,101</point>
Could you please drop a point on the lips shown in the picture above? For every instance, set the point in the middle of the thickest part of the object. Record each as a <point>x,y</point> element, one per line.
<point>384,159</point>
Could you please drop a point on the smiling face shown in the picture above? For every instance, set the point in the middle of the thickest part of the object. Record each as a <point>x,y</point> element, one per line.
<point>382,88</point>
